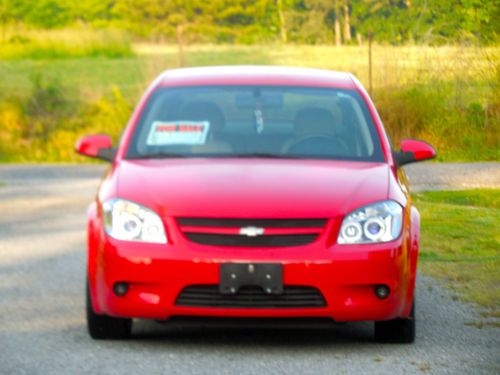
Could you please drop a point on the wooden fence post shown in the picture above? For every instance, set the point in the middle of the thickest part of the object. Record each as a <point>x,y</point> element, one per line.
<point>180,43</point>
<point>370,64</point>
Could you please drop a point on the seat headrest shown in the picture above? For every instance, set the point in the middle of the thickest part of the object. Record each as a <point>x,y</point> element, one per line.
<point>204,111</point>
<point>314,120</point>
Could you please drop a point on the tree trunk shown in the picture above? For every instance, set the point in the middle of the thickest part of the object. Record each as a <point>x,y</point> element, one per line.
<point>281,15</point>
<point>360,39</point>
<point>338,36</point>
<point>347,23</point>
<point>180,42</point>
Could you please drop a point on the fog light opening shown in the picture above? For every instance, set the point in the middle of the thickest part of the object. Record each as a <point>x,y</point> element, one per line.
<point>120,289</point>
<point>382,291</point>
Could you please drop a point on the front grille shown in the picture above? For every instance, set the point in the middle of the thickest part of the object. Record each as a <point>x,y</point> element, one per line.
<point>262,241</point>
<point>269,232</point>
<point>265,223</point>
<point>251,297</point>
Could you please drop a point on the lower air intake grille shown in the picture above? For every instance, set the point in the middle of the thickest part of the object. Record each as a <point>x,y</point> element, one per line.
<point>251,297</point>
<point>262,241</point>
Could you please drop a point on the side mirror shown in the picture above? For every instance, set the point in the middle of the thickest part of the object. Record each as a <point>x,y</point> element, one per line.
<point>96,146</point>
<point>413,150</point>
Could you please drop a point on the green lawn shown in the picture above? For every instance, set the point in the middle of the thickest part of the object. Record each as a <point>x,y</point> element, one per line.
<point>94,76</point>
<point>461,243</point>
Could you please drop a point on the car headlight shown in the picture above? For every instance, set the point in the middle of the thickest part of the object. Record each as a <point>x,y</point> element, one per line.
<point>128,221</point>
<point>378,222</point>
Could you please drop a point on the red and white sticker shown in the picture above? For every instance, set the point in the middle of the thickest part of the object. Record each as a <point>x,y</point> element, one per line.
<point>178,133</point>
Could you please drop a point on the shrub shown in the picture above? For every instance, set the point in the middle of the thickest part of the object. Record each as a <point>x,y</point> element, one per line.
<point>104,115</point>
<point>45,108</point>
<point>12,121</point>
<point>45,125</point>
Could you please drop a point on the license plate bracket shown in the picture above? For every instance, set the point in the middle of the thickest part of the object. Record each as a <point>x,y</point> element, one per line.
<point>268,276</point>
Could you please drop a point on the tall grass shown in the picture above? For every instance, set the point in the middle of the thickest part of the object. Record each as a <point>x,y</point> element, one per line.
<point>453,101</point>
<point>22,43</point>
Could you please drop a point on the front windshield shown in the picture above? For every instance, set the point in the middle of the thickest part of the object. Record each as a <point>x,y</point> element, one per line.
<point>256,121</point>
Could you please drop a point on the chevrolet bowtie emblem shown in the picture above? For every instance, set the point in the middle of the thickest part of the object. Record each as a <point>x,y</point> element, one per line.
<point>251,231</point>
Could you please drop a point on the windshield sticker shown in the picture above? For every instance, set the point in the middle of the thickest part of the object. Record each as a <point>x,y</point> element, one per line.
<point>178,133</point>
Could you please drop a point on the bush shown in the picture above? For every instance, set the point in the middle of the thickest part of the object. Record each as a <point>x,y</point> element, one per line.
<point>12,121</point>
<point>459,130</point>
<point>105,115</point>
<point>45,126</point>
<point>45,108</point>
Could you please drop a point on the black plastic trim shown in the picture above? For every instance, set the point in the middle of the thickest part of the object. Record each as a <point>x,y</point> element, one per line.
<point>244,241</point>
<point>251,297</point>
<point>403,158</point>
<point>107,154</point>
<point>264,223</point>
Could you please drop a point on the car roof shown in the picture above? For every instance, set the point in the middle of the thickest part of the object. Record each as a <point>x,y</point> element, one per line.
<point>255,75</point>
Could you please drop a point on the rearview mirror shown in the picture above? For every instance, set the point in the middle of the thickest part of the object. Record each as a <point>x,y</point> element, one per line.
<point>413,150</point>
<point>262,101</point>
<point>96,146</point>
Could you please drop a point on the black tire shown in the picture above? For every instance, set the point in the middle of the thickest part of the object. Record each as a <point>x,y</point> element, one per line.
<point>102,327</point>
<point>401,330</point>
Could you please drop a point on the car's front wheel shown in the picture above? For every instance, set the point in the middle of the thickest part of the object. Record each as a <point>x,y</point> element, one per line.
<point>102,327</point>
<point>401,330</point>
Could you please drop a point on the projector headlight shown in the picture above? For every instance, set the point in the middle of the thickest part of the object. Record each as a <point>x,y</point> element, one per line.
<point>375,223</point>
<point>128,221</point>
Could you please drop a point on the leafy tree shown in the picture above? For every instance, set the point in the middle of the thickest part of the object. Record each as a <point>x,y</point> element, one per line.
<point>387,19</point>
<point>47,13</point>
<point>243,21</point>
<point>91,10</point>
<point>281,15</point>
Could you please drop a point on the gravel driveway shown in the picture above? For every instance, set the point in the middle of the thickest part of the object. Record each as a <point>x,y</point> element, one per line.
<point>42,326</point>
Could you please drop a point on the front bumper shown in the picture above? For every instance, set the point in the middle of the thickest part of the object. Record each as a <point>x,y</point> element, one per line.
<point>346,275</point>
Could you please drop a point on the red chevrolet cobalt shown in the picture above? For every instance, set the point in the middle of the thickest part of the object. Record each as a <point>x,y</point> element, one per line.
<point>253,192</point>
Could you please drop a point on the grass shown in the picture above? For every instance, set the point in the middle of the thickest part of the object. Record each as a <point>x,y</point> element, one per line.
<point>24,43</point>
<point>449,96</point>
<point>461,243</point>
<point>469,71</point>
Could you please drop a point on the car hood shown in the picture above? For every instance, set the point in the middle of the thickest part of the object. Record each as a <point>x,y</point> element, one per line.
<point>252,188</point>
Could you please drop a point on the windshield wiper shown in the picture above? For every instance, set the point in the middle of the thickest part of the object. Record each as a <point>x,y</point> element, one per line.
<point>160,155</point>
<point>263,155</point>
<point>166,155</point>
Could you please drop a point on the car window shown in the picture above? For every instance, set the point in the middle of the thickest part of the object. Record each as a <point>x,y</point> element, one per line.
<point>240,121</point>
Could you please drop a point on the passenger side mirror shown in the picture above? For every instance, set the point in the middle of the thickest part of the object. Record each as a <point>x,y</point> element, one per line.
<point>96,146</point>
<point>413,150</point>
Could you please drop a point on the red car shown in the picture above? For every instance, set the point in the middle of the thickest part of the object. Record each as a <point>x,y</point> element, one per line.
<point>253,192</point>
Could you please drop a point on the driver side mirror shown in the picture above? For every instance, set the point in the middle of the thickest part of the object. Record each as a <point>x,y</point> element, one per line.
<point>413,150</point>
<point>96,146</point>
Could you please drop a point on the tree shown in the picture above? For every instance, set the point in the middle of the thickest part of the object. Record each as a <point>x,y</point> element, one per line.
<point>281,15</point>
<point>347,22</point>
<point>338,36</point>
<point>165,17</point>
<point>42,13</point>
<point>91,10</point>
<point>243,21</point>
<point>315,21</point>
<point>388,19</point>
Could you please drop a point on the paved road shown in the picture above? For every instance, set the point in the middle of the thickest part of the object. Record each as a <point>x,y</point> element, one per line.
<point>42,326</point>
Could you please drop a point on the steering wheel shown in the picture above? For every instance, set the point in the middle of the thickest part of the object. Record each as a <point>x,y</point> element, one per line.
<point>318,144</point>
